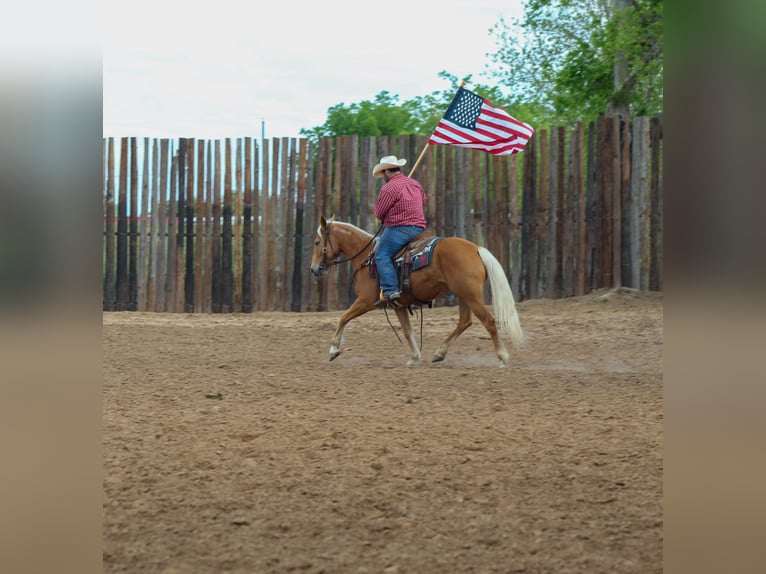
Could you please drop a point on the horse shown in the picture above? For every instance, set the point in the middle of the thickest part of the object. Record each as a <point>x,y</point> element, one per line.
<point>457,265</point>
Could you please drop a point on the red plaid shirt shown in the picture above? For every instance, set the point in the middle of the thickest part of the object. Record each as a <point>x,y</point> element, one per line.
<point>401,202</point>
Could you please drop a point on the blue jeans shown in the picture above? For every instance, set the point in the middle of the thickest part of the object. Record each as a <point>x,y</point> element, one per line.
<point>390,242</point>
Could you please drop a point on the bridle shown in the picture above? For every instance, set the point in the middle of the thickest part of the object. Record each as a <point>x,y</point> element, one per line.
<point>326,240</point>
<point>328,264</point>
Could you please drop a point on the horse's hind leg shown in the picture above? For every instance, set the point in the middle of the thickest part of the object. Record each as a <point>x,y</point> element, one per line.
<point>463,323</point>
<point>488,320</point>
<point>404,320</point>
<point>359,307</point>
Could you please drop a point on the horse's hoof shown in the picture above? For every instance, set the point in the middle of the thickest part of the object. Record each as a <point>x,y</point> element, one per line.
<point>334,355</point>
<point>437,358</point>
<point>413,362</point>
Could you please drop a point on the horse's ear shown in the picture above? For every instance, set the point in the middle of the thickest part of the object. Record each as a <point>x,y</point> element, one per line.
<point>332,218</point>
<point>322,222</point>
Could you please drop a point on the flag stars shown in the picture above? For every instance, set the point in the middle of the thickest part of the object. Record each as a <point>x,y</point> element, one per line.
<point>473,122</point>
<point>466,109</point>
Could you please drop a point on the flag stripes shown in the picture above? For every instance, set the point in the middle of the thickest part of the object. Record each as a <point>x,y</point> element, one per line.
<point>485,127</point>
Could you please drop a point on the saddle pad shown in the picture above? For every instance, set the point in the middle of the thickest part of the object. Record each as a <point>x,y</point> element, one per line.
<point>420,256</point>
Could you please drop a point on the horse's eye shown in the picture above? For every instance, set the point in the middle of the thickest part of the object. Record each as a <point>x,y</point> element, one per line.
<point>316,242</point>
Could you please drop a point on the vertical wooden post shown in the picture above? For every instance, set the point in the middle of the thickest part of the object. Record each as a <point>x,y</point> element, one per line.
<point>162,252</point>
<point>170,284</point>
<point>275,237</point>
<point>133,237</point>
<point>308,154</point>
<point>616,213</point>
<point>543,221</point>
<point>429,180</point>
<point>298,260</point>
<point>557,213</point>
<point>189,229</point>
<point>655,200</point>
<point>515,224</point>
<point>440,153</point>
<point>640,185</point>
<point>122,230</point>
<point>481,196</point>
<point>366,185</point>
<point>154,266</point>
<point>451,157</point>
<point>626,275</point>
<point>181,276</point>
<point>210,244</point>
<point>143,233</point>
<point>227,277</point>
<point>286,210</point>
<point>348,173</point>
<point>199,233</point>
<point>503,208</point>
<point>109,220</point>
<point>528,249</point>
<point>460,192</point>
<point>566,191</point>
<point>257,266</point>
<point>497,204</point>
<point>320,210</point>
<point>577,163</point>
<point>335,167</point>
<point>352,188</point>
<point>216,244</point>
<point>606,195</point>
<point>238,198</point>
<point>592,219</point>
<point>345,185</point>
<point>247,232</point>
<point>266,269</point>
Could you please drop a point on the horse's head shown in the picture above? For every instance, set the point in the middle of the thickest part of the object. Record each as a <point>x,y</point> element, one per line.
<point>325,251</point>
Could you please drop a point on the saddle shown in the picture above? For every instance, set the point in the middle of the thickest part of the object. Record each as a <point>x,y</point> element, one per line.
<point>413,256</point>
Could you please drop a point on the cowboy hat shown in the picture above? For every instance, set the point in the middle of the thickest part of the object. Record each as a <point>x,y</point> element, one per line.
<point>387,162</point>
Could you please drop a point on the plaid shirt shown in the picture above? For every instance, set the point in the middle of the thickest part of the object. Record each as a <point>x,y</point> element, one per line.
<point>401,202</point>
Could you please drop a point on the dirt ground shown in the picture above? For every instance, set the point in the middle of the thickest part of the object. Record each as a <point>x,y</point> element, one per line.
<point>232,444</point>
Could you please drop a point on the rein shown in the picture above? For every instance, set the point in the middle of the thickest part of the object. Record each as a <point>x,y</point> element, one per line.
<point>390,324</point>
<point>336,261</point>
<point>326,237</point>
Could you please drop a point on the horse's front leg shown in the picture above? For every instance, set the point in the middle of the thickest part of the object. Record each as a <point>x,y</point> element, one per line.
<point>404,320</point>
<point>358,307</point>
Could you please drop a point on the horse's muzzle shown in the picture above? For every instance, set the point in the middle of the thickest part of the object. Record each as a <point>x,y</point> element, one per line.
<point>318,270</point>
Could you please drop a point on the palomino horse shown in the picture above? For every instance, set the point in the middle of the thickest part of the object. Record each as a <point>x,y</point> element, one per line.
<point>457,265</point>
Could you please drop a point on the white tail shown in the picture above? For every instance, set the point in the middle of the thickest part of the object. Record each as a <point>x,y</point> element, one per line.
<point>503,304</point>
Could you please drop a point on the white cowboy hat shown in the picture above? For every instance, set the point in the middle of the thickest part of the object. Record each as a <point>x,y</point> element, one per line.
<point>387,163</point>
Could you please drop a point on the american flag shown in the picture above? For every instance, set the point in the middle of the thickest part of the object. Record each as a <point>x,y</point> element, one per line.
<point>472,121</point>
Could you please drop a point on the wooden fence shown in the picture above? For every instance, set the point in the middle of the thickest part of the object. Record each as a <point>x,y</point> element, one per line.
<point>228,225</point>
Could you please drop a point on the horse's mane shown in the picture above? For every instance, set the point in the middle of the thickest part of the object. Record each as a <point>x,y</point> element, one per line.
<point>345,224</point>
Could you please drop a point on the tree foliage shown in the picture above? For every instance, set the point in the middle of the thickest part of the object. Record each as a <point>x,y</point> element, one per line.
<point>570,60</point>
<point>382,116</point>
<point>386,116</point>
<point>565,61</point>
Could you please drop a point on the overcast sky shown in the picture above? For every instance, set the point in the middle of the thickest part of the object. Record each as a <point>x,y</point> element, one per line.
<point>184,68</point>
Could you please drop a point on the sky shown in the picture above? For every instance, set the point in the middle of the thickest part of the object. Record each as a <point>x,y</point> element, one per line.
<point>236,68</point>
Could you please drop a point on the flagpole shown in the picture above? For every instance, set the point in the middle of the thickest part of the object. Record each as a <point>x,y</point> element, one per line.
<point>422,153</point>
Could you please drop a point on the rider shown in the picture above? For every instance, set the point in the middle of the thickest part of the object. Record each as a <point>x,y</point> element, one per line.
<point>400,207</point>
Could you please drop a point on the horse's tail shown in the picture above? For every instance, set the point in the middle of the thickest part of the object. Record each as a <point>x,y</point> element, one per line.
<point>503,304</point>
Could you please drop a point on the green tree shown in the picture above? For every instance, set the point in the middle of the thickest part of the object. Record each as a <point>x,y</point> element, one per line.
<point>575,60</point>
<point>386,116</point>
<point>428,110</point>
<point>380,117</point>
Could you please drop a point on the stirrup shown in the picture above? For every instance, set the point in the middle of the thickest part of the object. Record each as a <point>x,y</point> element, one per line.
<point>383,300</point>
